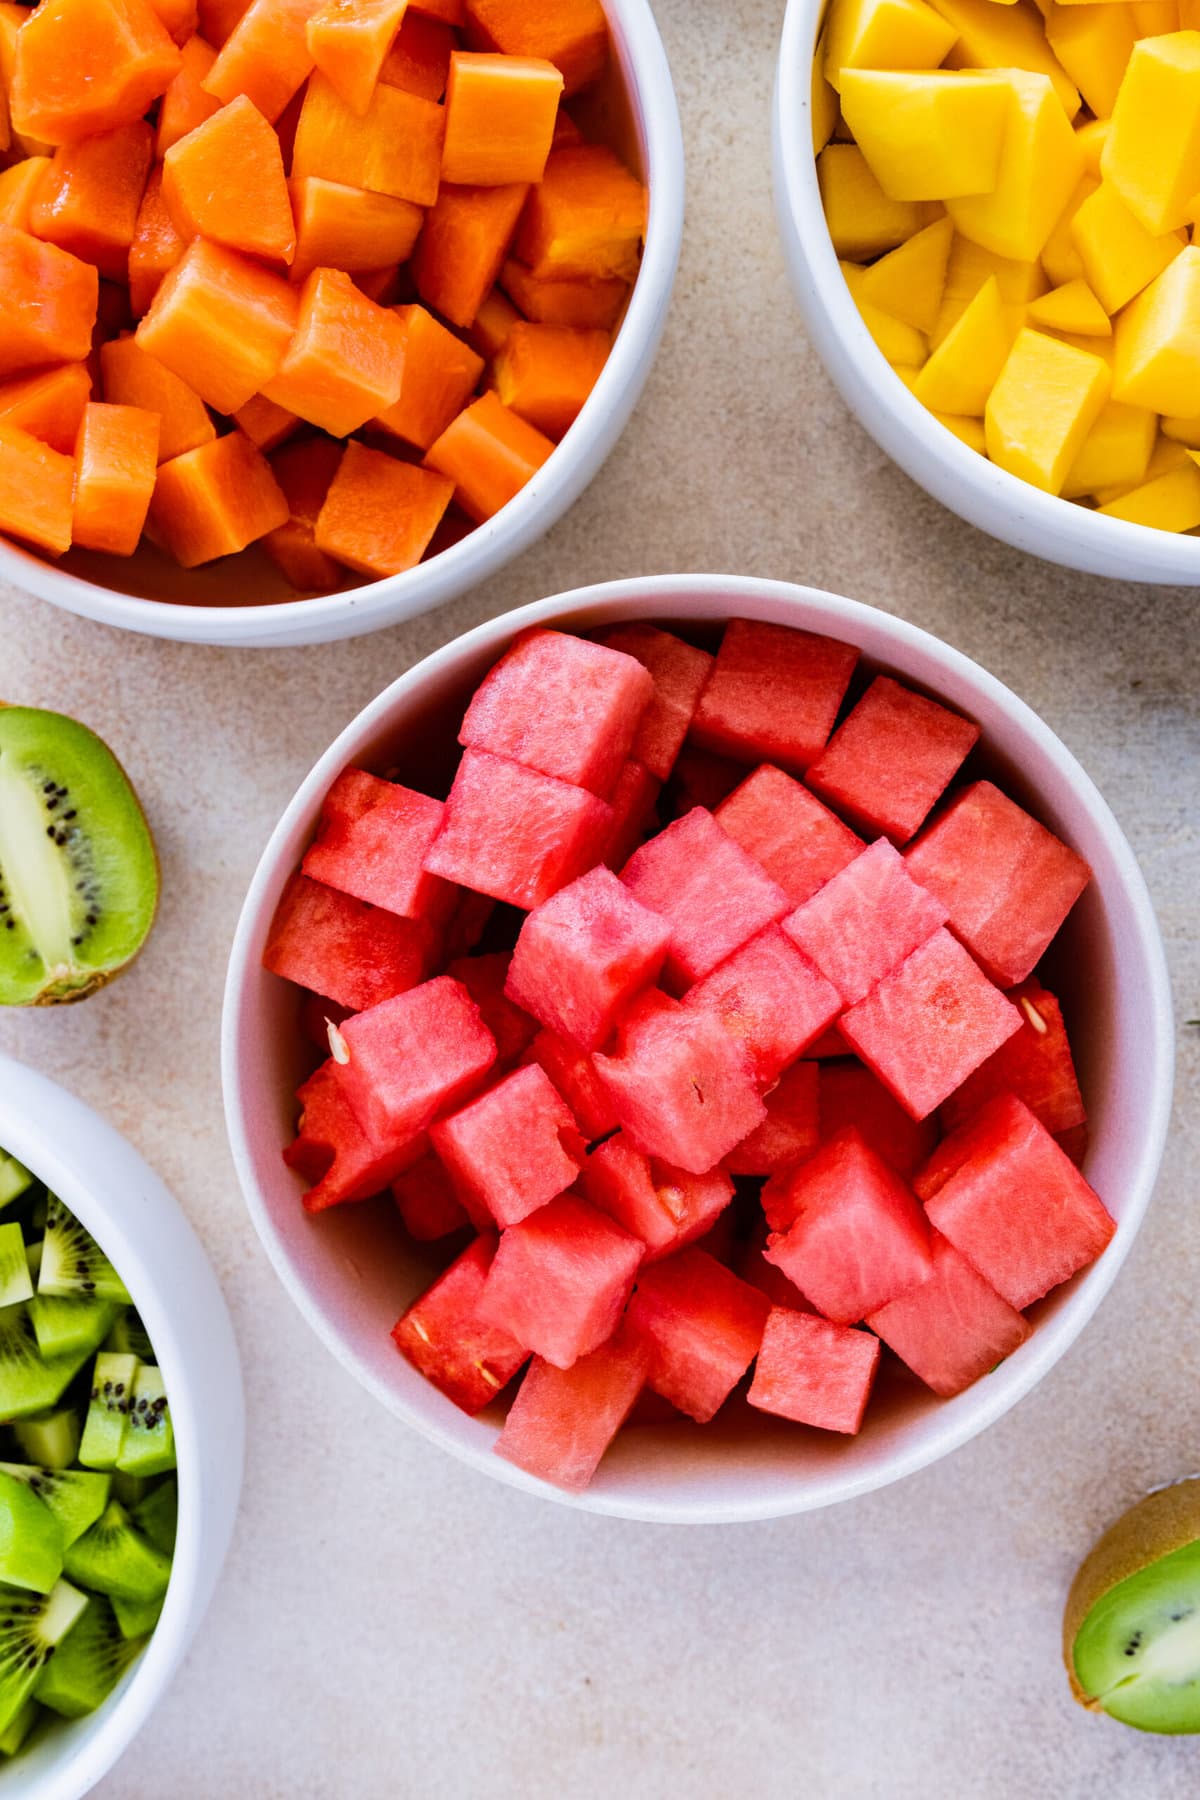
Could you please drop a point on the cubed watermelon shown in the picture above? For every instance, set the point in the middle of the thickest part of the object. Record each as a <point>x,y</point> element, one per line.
<point>563,1420</point>
<point>953,1328</point>
<point>791,1129</point>
<point>426,1201</point>
<point>333,1152</point>
<point>560,1280</point>
<point>513,1149</point>
<point>814,1371</point>
<point>468,922</point>
<point>442,1334</point>
<point>892,759</point>
<point>413,1057</point>
<point>343,948</point>
<point>1035,1064</point>
<point>773,694</point>
<point>703,1327</point>
<point>666,1207</point>
<point>1007,882</point>
<point>857,1236</point>
<point>750,1262</point>
<point>771,1000</point>
<point>699,779</point>
<point>317,1014</point>
<point>851,1095</point>
<point>634,803</point>
<point>679,672</point>
<point>371,842</point>
<point>485,978</point>
<point>865,920</point>
<point>831,1043</point>
<point>575,1076</point>
<point>799,842</point>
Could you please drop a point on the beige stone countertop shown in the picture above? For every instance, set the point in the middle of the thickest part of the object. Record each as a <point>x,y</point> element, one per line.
<point>391,1624</point>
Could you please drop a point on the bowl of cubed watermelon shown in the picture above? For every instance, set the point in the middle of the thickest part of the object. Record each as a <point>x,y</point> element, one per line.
<point>312,317</point>
<point>121,1466</point>
<point>984,216</point>
<point>721,1007</point>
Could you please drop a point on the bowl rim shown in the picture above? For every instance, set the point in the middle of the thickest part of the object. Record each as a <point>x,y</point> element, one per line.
<point>879,634</point>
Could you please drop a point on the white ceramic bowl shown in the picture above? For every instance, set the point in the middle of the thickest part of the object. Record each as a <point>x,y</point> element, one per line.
<point>140,1227</point>
<point>960,478</point>
<point>244,601</point>
<point>351,1272</point>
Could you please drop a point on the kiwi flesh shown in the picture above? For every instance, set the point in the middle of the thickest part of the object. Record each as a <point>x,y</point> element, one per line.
<point>137,1618</point>
<point>130,1336</point>
<point>149,1443</point>
<point>29,1381</point>
<point>19,1728</point>
<point>50,1439</point>
<point>31,1628</point>
<point>157,1515</point>
<point>114,1558</point>
<point>31,1539</point>
<point>15,1179</point>
<point>78,870</point>
<point>88,1664</point>
<point>16,1283</point>
<point>61,1326</point>
<point>108,1410</point>
<point>73,1266</point>
<point>76,1497</point>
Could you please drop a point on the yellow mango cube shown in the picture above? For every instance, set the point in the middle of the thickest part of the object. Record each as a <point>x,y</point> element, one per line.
<point>1157,341</point>
<point>1004,37</point>
<point>884,34</point>
<point>1118,255</point>
<point>1156,18</point>
<point>1094,45</point>
<point>1094,346</point>
<point>1152,156</point>
<point>903,346</point>
<point>1092,138</point>
<point>1046,400</point>
<point>909,282</point>
<point>1182,430</point>
<point>1060,255</point>
<point>970,430</point>
<point>1169,503</point>
<point>823,102</point>
<point>1040,167</point>
<point>928,134</point>
<point>1165,456</point>
<point>1073,309</point>
<point>961,372</point>
<point>969,267</point>
<point>862,219</point>
<point>1115,452</point>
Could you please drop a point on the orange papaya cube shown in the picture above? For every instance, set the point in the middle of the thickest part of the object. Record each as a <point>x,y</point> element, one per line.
<point>19,188</point>
<point>222,323</point>
<point>186,102</point>
<point>36,491</point>
<point>116,465</point>
<point>218,19</point>
<point>225,182</point>
<point>339,227</point>
<point>181,18</point>
<point>265,424</point>
<point>266,55</point>
<point>84,66</point>
<point>48,405</point>
<point>12,17</point>
<point>128,377</point>
<point>419,59</point>
<point>489,453</point>
<point>585,305</point>
<point>572,34</point>
<point>450,12</point>
<point>380,514</point>
<point>586,220</point>
<point>215,500</point>
<point>493,322</point>
<point>304,472</point>
<point>156,247</point>
<point>440,375</point>
<point>89,200</point>
<point>349,41</point>
<point>566,131</point>
<point>463,244</point>
<point>381,285</point>
<point>48,301</point>
<point>395,147</point>
<point>500,114</point>
<point>345,363</point>
<point>546,372</point>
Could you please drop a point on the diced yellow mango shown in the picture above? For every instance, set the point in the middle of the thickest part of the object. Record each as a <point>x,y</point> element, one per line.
<point>862,219</point>
<point>1115,452</point>
<point>1169,503</point>
<point>1182,430</point>
<point>1094,346</point>
<point>884,34</point>
<point>1093,136</point>
<point>970,430</point>
<point>1045,402</point>
<point>903,346</point>
<point>1157,339</point>
<point>1155,18</point>
<point>1152,156</point>
<point>961,372</point>
<point>928,135</point>
<point>1074,309</point>
<point>1008,37</point>
<point>1164,457</point>
<point>823,102</point>
<point>969,267</point>
<point>1093,44</point>
<point>1040,167</point>
<point>909,281</point>
<point>1118,255</point>
<point>1060,257</point>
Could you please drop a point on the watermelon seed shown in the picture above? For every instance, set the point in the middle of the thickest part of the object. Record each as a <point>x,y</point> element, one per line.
<point>699,1094</point>
<point>339,1049</point>
<point>492,1380</point>
<point>1033,1015</point>
<point>420,1331</point>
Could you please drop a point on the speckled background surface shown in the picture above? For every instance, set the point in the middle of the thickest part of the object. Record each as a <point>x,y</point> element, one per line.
<point>392,1624</point>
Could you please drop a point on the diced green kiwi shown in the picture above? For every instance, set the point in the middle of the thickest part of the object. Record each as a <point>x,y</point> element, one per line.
<point>15,1179</point>
<point>17,1731</point>
<point>31,1627</point>
<point>157,1515</point>
<point>76,1497</point>
<point>137,1618</point>
<point>108,1410</point>
<point>130,1336</point>
<point>73,1264</point>
<point>88,1663</point>
<point>50,1439</point>
<point>29,1381</point>
<point>149,1443</point>
<point>114,1558</point>
<point>64,1325</point>
<point>16,1283</point>
<point>130,1490</point>
<point>31,1539</point>
<point>78,871</point>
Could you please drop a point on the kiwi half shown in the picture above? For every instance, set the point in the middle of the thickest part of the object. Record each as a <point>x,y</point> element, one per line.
<point>78,871</point>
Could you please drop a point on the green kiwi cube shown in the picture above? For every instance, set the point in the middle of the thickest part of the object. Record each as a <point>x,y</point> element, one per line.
<point>137,1618</point>
<point>29,1381</point>
<point>15,1179</point>
<point>76,1497</point>
<point>148,1447</point>
<point>114,1558</point>
<point>88,1663</point>
<point>108,1410</point>
<point>157,1515</point>
<point>50,1439</point>
<point>31,1629</point>
<point>130,1336</point>
<point>31,1539</point>
<point>65,1325</point>
<point>73,1264</point>
<point>16,1284</point>
<point>18,1730</point>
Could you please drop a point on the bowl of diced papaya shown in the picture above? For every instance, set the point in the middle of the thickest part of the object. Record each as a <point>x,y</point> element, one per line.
<point>313,313</point>
<point>988,213</point>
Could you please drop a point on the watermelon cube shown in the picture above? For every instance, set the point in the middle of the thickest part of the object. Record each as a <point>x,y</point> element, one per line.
<point>371,842</point>
<point>663,1206</point>
<point>750,1262</point>
<point>563,1420</point>
<point>864,922</point>
<point>773,694</point>
<point>1017,1208</point>
<point>443,1336</point>
<point>702,1326</point>
<point>953,1328</point>
<point>316,1016</point>
<point>831,1043</point>
<point>791,1129</point>
<point>485,978</point>
<point>514,834</point>
<point>560,1280</point>
<point>344,949</point>
<point>771,1000</point>
<point>584,954</point>
<point>577,1079</point>
<point>333,1152</point>
<point>851,1095</point>
<point>426,1201</point>
<point>1035,1064</point>
<point>929,1024</point>
<point>799,842</point>
<point>679,672</point>
<point>511,1150</point>
<point>562,706</point>
<point>857,1236</point>
<point>814,1371</point>
<point>700,779</point>
<point>713,894</point>
<point>468,922</point>
<point>1007,882</point>
<point>920,744</point>
<point>679,1085</point>
<point>413,1057</point>
<point>634,802</point>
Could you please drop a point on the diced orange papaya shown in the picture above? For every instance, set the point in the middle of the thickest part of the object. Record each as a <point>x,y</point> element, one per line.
<point>572,34</point>
<point>19,188</point>
<point>419,60</point>
<point>84,66</point>
<point>339,227</point>
<point>36,489</point>
<point>546,372</point>
<point>304,472</point>
<point>500,113</point>
<point>265,424</point>
<point>181,18</point>
<point>12,17</point>
<point>116,463</point>
<point>394,148</point>
<point>48,301</point>
<point>345,363</point>
<point>566,131</point>
<point>225,182</point>
<point>380,514</point>
<point>5,121</point>
<point>461,249</point>
<point>349,41</point>
<point>222,323</point>
<point>493,322</point>
<point>131,378</point>
<point>266,55</point>
<point>156,248</point>
<point>585,305</point>
<point>440,375</point>
<point>186,103</point>
<point>216,500</point>
<point>489,453</point>
<point>89,201</point>
<point>381,285</point>
<point>48,405</point>
<point>586,220</point>
<point>450,12</point>
<point>218,19</point>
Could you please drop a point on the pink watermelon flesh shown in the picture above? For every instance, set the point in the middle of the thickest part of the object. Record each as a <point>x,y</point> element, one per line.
<point>699,779</point>
<point>813,1371</point>
<point>799,842</point>
<point>634,802</point>
<point>343,949</point>
<point>575,1076</point>
<point>773,694</point>
<point>413,1057</point>
<point>371,842</point>
<point>771,1000</point>
<point>443,1336</point>
<point>865,921</point>
<point>678,1084</point>
<point>426,1201</point>
<point>513,1149</point>
<point>679,672</point>
<point>714,896</point>
<point>857,1238</point>
<point>1035,1064</point>
<point>830,1043</point>
<point>514,834</point>
<point>1007,882</point>
<point>750,1262</point>
<point>790,1131</point>
<point>333,1152</point>
<point>929,1024</point>
<point>982,1134</point>
<point>665,1207</point>
<point>892,759</point>
<point>468,922</point>
<point>702,1326</point>
<point>560,1280</point>
<point>953,1328</point>
<point>485,978</point>
<point>562,706</point>
<point>584,954</point>
<point>563,1420</point>
<point>851,1095</point>
<point>1020,1211</point>
<point>1074,1143</point>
